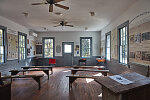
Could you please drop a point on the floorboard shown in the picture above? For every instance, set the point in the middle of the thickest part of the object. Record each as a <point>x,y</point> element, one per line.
<point>56,88</point>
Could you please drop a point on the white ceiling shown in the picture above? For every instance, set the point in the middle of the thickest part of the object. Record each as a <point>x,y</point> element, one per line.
<point>78,15</point>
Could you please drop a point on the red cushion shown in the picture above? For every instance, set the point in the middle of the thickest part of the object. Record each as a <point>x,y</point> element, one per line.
<point>52,61</point>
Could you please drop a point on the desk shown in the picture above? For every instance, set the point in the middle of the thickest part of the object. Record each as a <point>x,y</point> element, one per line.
<point>112,90</point>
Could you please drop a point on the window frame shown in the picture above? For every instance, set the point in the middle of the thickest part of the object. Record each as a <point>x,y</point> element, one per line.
<point>23,34</point>
<point>4,43</point>
<point>43,49</point>
<point>109,33</point>
<point>125,24</point>
<point>90,46</point>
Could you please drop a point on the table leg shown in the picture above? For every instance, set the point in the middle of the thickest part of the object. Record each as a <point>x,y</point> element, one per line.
<point>37,79</point>
<point>47,73</point>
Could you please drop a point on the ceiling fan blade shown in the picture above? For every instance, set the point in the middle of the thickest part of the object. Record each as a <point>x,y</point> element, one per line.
<point>50,8</point>
<point>39,3</point>
<point>69,25</point>
<point>58,1</point>
<point>56,25</point>
<point>61,6</point>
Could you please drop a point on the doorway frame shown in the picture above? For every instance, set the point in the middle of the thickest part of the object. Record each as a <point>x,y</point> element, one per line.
<point>72,62</point>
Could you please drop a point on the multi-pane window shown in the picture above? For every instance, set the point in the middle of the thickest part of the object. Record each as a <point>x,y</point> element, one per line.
<point>123,41</point>
<point>22,46</point>
<point>86,47</point>
<point>108,46</point>
<point>1,46</point>
<point>48,49</point>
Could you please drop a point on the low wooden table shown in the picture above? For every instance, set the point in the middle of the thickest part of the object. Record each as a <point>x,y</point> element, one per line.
<point>112,90</point>
<point>5,91</point>
<point>49,67</point>
<point>35,77</point>
<point>72,78</point>
<point>15,72</point>
<point>104,72</point>
<point>93,67</point>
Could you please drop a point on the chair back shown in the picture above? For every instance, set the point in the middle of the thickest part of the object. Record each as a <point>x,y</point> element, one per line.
<point>52,61</point>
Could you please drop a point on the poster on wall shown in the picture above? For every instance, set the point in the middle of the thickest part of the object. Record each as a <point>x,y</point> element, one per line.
<point>132,55</point>
<point>138,55</point>
<point>137,38</point>
<point>145,36</point>
<point>146,55</point>
<point>12,51</point>
<point>114,46</point>
<point>58,49</point>
<point>131,39</point>
<point>140,49</point>
<point>77,49</point>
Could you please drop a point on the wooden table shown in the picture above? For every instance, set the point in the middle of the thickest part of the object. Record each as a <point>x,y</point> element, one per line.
<point>35,77</point>
<point>94,67</point>
<point>104,72</point>
<point>49,67</point>
<point>112,90</point>
<point>5,91</point>
<point>15,72</point>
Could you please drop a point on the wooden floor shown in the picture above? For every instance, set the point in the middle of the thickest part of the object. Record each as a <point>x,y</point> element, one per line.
<point>56,88</point>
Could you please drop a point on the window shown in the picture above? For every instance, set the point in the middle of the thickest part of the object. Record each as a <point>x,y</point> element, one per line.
<point>48,47</point>
<point>86,47</point>
<point>3,46</point>
<point>123,43</point>
<point>22,45</point>
<point>67,48</point>
<point>108,38</point>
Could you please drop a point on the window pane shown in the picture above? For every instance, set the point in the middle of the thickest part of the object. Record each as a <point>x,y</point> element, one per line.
<point>1,41</point>
<point>1,33</point>
<point>1,50</point>
<point>1,58</point>
<point>108,46</point>
<point>48,47</point>
<point>1,46</point>
<point>123,45</point>
<point>86,47</point>
<point>22,45</point>
<point>67,48</point>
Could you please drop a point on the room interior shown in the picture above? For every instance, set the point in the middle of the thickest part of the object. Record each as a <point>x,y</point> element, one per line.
<point>112,34</point>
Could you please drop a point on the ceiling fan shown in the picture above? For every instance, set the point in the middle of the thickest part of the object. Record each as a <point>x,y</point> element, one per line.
<point>51,3</point>
<point>63,23</point>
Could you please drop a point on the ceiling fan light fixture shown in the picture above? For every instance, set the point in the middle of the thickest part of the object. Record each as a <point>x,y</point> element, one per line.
<point>86,28</point>
<point>92,13</point>
<point>25,14</point>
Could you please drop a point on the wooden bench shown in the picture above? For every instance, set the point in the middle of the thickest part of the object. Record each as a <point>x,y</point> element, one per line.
<point>35,77</point>
<point>72,78</point>
<point>94,67</point>
<point>49,67</point>
<point>15,72</point>
<point>104,72</point>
